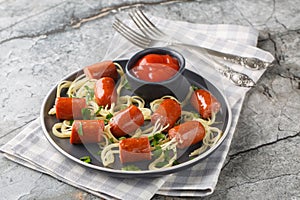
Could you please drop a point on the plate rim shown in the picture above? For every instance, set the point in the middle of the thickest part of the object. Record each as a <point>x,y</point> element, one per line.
<point>142,173</point>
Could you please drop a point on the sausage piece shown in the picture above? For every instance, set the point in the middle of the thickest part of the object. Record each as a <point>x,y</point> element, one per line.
<point>69,108</point>
<point>87,131</point>
<point>168,112</point>
<point>134,149</point>
<point>205,103</point>
<point>187,133</point>
<point>105,93</point>
<point>126,121</point>
<point>101,69</point>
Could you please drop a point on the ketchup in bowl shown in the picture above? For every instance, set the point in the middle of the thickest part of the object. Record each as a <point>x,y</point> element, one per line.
<point>155,72</point>
<point>155,68</point>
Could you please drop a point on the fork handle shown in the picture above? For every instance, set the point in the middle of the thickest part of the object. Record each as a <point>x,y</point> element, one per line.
<point>250,63</point>
<point>235,77</point>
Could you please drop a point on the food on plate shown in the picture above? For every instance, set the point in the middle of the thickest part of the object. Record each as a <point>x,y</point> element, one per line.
<point>105,93</point>
<point>126,121</point>
<point>134,149</point>
<point>101,69</point>
<point>155,68</point>
<point>187,133</point>
<point>87,131</point>
<point>69,108</point>
<point>205,103</point>
<point>167,113</point>
<point>99,111</point>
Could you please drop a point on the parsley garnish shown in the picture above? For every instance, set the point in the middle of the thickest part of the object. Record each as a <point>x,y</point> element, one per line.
<point>156,139</point>
<point>127,85</point>
<point>90,93</point>
<point>157,152</point>
<point>86,114</point>
<point>131,168</point>
<point>98,111</point>
<point>109,116</point>
<point>86,159</point>
<point>167,159</point>
<point>161,164</point>
<point>71,122</point>
<point>122,138</point>
<point>195,87</point>
<point>80,130</point>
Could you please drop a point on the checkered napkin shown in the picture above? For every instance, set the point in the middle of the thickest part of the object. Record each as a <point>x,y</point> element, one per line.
<point>31,148</point>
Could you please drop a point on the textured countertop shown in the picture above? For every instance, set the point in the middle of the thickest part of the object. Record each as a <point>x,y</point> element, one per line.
<point>42,41</point>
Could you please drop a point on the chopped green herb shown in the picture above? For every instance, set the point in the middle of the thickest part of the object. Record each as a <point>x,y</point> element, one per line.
<point>90,93</point>
<point>127,85</point>
<point>191,158</point>
<point>71,122</point>
<point>98,111</point>
<point>86,159</point>
<point>150,137</point>
<point>157,152</point>
<point>176,163</point>
<point>167,158</point>
<point>80,130</point>
<point>86,114</point>
<point>99,152</point>
<point>161,164</point>
<point>195,87</point>
<point>159,136</point>
<point>156,139</point>
<point>122,138</point>
<point>167,153</point>
<point>111,140</point>
<point>109,116</point>
<point>131,168</point>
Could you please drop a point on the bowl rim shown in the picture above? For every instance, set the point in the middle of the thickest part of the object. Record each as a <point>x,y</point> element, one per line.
<point>164,50</point>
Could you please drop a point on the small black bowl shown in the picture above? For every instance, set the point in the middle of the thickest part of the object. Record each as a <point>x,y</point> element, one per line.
<point>177,86</point>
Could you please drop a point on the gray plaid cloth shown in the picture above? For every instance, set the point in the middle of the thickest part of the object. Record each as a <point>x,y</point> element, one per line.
<point>31,148</point>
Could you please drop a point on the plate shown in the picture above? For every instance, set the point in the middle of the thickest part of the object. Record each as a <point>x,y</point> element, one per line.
<point>75,152</point>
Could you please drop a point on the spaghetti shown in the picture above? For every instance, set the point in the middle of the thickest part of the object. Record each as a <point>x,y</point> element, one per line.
<point>83,87</point>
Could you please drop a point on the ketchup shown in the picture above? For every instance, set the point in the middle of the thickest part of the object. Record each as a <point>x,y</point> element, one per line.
<point>155,68</point>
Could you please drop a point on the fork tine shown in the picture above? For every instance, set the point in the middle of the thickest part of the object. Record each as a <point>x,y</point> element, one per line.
<point>131,31</point>
<point>130,34</point>
<point>139,24</point>
<point>144,24</point>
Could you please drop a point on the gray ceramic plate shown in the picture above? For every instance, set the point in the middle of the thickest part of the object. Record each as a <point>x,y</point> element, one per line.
<point>74,152</point>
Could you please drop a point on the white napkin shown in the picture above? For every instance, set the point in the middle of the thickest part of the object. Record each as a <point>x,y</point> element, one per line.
<point>31,148</point>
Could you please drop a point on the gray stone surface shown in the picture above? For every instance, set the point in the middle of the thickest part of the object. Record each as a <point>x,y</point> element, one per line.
<point>42,41</point>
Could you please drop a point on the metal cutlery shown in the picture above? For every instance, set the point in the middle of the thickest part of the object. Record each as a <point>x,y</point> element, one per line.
<point>152,31</point>
<point>142,41</point>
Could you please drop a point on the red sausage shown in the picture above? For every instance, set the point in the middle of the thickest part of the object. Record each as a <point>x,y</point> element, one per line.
<point>69,108</point>
<point>205,103</point>
<point>87,131</point>
<point>126,121</point>
<point>134,149</point>
<point>168,112</point>
<point>101,69</point>
<point>105,93</point>
<point>187,134</point>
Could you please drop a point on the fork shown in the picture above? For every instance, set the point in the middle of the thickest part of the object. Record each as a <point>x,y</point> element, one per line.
<point>142,41</point>
<point>152,31</point>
